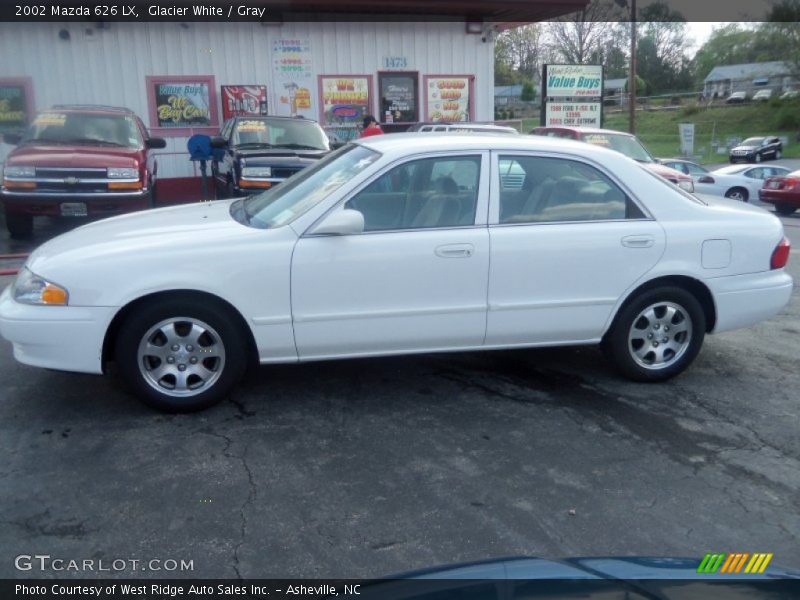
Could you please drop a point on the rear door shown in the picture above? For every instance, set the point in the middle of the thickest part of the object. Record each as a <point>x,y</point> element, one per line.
<point>564,248</point>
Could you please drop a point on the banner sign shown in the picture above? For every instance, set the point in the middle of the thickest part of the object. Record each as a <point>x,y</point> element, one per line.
<point>345,99</point>
<point>14,107</point>
<point>399,94</point>
<point>181,104</point>
<point>292,64</point>
<point>572,96</point>
<point>448,99</point>
<point>243,100</point>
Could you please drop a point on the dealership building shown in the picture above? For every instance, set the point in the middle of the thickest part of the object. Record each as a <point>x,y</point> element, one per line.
<point>185,78</point>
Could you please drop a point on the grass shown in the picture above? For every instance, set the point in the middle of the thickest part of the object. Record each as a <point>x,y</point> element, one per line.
<point>658,130</point>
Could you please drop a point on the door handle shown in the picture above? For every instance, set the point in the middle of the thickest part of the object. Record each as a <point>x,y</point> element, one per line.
<point>455,251</point>
<point>638,241</point>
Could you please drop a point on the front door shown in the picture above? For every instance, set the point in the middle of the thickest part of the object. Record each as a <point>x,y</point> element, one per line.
<point>415,280</point>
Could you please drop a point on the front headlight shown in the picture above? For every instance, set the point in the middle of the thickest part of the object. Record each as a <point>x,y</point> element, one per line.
<point>121,173</point>
<point>687,186</point>
<point>29,288</point>
<point>257,172</point>
<point>14,171</point>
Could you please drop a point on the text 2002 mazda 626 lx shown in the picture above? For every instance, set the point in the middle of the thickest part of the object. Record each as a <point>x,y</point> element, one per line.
<point>397,245</point>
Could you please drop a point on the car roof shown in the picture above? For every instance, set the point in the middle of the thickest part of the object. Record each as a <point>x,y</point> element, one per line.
<point>274,118</point>
<point>471,141</point>
<point>595,130</point>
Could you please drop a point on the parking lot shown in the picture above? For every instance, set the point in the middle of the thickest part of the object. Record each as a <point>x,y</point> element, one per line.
<point>371,467</point>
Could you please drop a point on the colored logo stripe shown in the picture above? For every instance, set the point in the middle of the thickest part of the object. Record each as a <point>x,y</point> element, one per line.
<point>733,563</point>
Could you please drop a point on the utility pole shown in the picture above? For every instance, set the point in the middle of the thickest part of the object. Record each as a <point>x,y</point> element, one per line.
<point>632,74</point>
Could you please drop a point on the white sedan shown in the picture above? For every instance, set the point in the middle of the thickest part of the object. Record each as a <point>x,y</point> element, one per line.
<point>738,182</point>
<point>399,244</point>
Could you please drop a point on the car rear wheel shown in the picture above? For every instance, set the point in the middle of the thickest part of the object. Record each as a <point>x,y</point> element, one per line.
<point>784,209</point>
<point>179,356</point>
<point>20,227</point>
<point>737,193</point>
<point>657,335</point>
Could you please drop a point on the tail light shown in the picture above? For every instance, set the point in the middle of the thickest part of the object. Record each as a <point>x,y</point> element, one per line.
<point>706,179</point>
<point>791,182</point>
<point>780,256</point>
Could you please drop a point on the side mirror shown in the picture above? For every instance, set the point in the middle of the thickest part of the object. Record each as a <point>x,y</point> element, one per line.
<point>155,143</point>
<point>12,138</point>
<point>219,142</point>
<point>342,222</point>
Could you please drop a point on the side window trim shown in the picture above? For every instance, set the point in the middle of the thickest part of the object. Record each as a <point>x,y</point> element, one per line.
<point>494,204</point>
<point>481,209</point>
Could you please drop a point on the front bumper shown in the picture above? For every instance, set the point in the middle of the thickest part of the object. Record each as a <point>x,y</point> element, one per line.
<point>97,204</point>
<point>744,300</point>
<point>67,338</point>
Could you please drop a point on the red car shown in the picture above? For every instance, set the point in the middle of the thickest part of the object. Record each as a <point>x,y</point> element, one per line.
<point>77,161</point>
<point>783,191</point>
<point>627,144</point>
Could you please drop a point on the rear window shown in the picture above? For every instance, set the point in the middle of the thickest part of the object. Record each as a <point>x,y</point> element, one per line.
<point>673,187</point>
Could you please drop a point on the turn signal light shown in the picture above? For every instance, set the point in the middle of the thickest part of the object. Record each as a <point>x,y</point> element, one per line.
<point>254,184</point>
<point>19,185</point>
<point>124,185</point>
<point>780,256</point>
<point>54,295</point>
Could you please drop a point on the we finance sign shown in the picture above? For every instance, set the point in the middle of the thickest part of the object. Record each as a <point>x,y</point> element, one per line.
<point>573,81</point>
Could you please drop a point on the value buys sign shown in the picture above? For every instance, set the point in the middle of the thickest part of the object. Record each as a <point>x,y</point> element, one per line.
<point>572,95</point>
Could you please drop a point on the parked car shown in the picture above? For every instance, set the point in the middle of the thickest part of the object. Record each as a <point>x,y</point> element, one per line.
<point>462,127</point>
<point>627,144</point>
<point>388,246</point>
<point>736,98</point>
<point>692,169</point>
<point>78,161</point>
<point>757,149</point>
<point>737,182</point>
<point>762,95</point>
<point>790,94</point>
<point>783,191</point>
<point>260,152</point>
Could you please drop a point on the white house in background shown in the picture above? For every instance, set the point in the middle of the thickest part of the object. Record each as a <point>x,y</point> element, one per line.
<point>723,80</point>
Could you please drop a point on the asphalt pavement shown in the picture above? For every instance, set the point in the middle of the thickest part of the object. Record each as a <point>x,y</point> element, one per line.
<point>370,467</point>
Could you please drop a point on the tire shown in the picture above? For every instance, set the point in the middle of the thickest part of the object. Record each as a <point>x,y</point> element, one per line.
<point>784,209</point>
<point>211,355</point>
<point>778,154</point>
<point>631,343</point>
<point>737,193</point>
<point>20,227</point>
<point>151,201</point>
<point>757,158</point>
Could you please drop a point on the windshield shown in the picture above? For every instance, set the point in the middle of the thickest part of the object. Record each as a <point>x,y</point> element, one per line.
<point>84,128</point>
<point>752,142</point>
<point>283,133</point>
<point>301,192</point>
<point>625,144</point>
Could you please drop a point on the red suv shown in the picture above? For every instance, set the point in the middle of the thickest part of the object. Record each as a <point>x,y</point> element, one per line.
<point>77,161</point>
<point>625,143</point>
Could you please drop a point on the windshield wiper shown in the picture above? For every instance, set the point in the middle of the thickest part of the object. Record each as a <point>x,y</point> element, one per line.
<point>300,147</point>
<point>254,144</point>
<point>93,141</point>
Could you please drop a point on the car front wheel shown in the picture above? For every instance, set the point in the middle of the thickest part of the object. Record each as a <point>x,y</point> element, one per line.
<point>778,154</point>
<point>757,157</point>
<point>737,193</point>
<point>179,356</point>
<point>657,335</point>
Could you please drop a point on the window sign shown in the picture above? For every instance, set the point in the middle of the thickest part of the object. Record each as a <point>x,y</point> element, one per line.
<point>399,93</point>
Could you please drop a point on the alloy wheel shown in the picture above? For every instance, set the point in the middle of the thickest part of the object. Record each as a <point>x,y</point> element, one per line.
<point>660,335</point>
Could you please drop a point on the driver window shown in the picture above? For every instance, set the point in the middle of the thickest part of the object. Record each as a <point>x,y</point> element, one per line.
<point>422,194</point>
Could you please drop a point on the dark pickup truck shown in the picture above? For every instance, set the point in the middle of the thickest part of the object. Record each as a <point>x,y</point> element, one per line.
<point>256,153</point>
<point>78,161</point>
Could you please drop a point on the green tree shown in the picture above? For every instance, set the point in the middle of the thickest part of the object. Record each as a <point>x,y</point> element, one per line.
<point>528,92</point>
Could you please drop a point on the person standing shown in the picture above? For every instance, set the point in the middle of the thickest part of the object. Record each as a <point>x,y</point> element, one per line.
<point>371,127</point>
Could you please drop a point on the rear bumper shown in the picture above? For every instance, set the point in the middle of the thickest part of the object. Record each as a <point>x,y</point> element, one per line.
<point>790,198</point>
<point>67,338</point>
<point>744,300</point>
<point>101,204</point>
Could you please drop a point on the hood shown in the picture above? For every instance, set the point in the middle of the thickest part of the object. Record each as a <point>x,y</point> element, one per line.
<point>748,148</point>
<point>63,155</point>
<point>145,232</point>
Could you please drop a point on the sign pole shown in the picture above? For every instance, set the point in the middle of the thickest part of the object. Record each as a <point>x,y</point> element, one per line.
<point>632,75</point>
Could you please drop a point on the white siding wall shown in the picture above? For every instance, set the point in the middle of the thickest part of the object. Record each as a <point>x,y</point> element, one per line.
<point>110,66</point>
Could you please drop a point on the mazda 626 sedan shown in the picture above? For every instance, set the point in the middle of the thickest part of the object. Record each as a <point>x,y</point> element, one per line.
<point>402,244</point>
